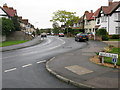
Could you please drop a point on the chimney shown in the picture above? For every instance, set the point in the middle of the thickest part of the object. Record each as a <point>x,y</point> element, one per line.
<point>86,12</point>
<point>11,8</point>
<point>110,2</point>
<point>91,11</point>
<point>5,5</point>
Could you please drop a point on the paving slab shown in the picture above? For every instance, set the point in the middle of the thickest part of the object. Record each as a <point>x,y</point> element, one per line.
<point>75,68</point>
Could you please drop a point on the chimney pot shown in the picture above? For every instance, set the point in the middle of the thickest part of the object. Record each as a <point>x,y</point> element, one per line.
<point>5,5</point>
<point>91,11</point>
<point>110,2</point>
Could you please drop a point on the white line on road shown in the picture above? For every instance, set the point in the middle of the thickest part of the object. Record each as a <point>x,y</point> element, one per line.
<point>41,61</point>
<point>49,41</point>
<point>52,58</point>
<point>26,65</point>
<point>10,70</point>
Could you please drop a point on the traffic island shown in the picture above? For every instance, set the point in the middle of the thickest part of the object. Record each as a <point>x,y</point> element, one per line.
<point>96,60</point>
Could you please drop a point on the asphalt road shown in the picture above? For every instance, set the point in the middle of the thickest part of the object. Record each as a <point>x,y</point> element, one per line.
<point>25,68</point>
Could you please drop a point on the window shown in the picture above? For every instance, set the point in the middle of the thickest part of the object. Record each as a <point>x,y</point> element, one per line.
<point>93,30</point>
<point>104,19</point>
<point>115,16</point>
<point>98,21</point>
<point>117,30</point>
<point>119,16</point>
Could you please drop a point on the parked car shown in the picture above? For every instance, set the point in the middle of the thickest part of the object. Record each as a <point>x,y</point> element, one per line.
<point>81,37</point>
<point>61,34</point>
<point>43,34</point>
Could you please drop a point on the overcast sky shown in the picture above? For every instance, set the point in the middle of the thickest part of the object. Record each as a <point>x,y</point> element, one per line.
<point>39,12</point>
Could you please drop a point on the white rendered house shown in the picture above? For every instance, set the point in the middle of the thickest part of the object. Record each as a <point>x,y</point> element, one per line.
<point>109,18</point>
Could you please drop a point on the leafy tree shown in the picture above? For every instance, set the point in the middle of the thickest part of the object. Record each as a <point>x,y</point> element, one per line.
<point>16,23</point>
<point>38,31</point>
<point>66,18</point>
<point>7,26</point>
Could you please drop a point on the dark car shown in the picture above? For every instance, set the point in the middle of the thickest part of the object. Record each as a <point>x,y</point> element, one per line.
<point>61,34</point>
<point>43,35</point>
<point>81,37</point>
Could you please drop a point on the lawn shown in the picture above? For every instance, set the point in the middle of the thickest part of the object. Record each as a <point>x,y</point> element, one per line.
<point>9,43</point>
<point>114,39</point>
<point>115,51</point>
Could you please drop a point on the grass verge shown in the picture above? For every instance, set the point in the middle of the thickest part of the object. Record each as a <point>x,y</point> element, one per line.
<point>114,39</point>
<point>115,51</point>
<point>9,43</point>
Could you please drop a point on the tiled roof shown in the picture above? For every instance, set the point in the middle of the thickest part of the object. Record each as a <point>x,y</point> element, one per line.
<point>20,18</point>
<point>10,11</point>
<point>96,13</point>
<point>111,8</point>
<point>89,16</point>
<point>25,21</point>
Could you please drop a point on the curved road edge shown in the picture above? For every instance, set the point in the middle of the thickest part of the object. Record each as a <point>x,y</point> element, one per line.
<point>33,42</point>
<point>69,81</point>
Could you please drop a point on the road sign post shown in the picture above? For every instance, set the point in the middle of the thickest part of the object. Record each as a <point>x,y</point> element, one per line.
<point>114,60</point>
<point>104,54</point>
<point>102,60</point>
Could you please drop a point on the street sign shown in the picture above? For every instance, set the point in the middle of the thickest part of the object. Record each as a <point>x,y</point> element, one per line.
<point>114,60</point>
<point>104,54</point>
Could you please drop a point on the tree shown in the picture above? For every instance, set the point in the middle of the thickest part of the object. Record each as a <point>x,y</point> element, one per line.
<point>66,18</point>
<point>16,23</point>
<point>56,28</point>
<point>7,26</point>
<point>38,31</point>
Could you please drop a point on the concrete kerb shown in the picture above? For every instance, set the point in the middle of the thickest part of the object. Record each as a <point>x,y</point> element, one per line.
<point>68,81</point>
<point>21,47</point>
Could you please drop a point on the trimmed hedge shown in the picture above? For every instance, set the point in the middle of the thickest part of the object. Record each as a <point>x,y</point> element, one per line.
<point>115,36</point>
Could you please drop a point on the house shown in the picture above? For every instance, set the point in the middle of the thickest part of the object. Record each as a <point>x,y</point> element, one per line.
<point>79,26</point>
<point>7,12</point>
<point>26,26</point>
<point>89,22</point>
<point>109,17</point>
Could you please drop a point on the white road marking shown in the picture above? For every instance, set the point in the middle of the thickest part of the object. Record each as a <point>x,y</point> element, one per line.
<point>52,58</point>
<point>37,51</point>
<point>26,65</point>
<point>41,61</point>
<point>10,70</point>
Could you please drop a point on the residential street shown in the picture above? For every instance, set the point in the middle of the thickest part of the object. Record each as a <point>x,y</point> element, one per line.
<point>60,44</point>
<point>25,68</point>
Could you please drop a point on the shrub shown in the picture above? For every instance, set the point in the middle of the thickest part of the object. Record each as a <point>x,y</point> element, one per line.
<point>7,26</point>
<point>115,36</point>
<point>105,37</point>
<point>103,33</point>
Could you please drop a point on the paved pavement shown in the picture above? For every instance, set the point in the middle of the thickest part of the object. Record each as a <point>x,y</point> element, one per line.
<point>35,41</point>
<point>114,43</point>
<point>75,68</point>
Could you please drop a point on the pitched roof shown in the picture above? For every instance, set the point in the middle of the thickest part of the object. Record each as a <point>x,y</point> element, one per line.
<point>109,9</point>
<point>9,10</point>
<point>20,18</point>
<point>89,15</point>
<point>25,21</point>
<point>96,13</point>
